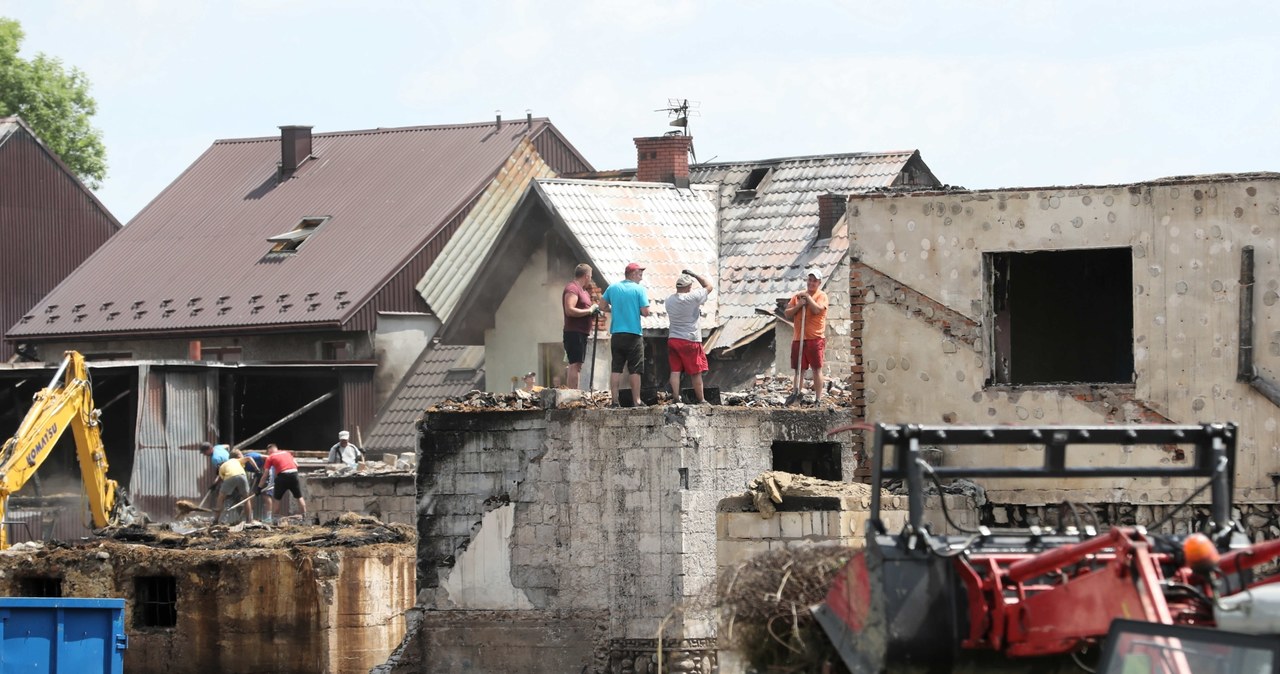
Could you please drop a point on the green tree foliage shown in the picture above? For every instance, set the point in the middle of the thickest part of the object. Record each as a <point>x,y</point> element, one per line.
<point>55,102</point>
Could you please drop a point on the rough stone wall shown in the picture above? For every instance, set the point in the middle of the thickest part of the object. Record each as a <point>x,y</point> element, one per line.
<point>388,497</point>
<point>338,609</point>
<point>606,515</point>
<point>924,303</point>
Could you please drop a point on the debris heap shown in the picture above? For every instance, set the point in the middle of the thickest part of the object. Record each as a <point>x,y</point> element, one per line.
<point>765,391</point>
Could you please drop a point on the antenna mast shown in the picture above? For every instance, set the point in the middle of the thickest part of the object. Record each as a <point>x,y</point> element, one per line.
<point>681,109</point>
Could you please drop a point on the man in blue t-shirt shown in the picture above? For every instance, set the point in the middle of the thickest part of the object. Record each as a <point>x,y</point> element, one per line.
<point>627,302</point>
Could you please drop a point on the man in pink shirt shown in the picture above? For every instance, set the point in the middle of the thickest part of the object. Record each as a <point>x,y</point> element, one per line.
<point>286,472</point>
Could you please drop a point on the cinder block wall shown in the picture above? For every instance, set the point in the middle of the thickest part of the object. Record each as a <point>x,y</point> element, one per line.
<point>389,497</point>
<point>604,515</point>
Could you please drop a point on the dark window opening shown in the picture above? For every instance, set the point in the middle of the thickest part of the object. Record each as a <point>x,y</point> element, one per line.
<point>1062,316</point>
<point>292,240</point>
<point>40,586</point>
<point>747,191</point>
<point>815,459</point>
<point>155,601</point>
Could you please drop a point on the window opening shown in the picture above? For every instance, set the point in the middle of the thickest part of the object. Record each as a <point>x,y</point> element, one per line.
<point>227,354</point>
<point>749,186</point>
<point>292,240</point>
<point>1061,316</point>
<point>815,459</point>
<point>40,586</point>
<point>155,601</point>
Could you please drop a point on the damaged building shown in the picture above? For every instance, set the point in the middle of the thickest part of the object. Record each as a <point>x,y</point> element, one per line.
<point>268,292</point>
<point>1149,302</point>
<point>300,600</point>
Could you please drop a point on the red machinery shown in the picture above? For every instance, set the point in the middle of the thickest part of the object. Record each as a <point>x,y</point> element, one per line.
<point>915,600</point>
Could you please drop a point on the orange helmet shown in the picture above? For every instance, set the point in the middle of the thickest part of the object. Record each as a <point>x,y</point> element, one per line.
<point>1200,553</point>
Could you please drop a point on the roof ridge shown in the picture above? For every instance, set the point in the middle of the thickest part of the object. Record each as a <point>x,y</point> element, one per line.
<point>381,130</point>
<point>779,160</point>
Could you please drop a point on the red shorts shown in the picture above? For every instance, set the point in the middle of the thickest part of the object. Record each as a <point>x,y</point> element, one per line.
<point>813,349</point>
<point>686,356</point>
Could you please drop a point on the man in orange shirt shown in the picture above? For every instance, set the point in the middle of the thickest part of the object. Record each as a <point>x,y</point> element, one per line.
<point>808,312</point>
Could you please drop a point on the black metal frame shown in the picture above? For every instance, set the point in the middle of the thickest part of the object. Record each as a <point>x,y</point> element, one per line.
<point>1214,457</point>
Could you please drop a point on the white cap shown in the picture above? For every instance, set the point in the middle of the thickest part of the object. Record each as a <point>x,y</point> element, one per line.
<point>343,435</point>
<point>814,272</point>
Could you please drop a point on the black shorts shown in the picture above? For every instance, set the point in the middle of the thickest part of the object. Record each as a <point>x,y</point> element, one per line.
<point>287,482</point>
<point>575,346</point>
<point>627,349</point>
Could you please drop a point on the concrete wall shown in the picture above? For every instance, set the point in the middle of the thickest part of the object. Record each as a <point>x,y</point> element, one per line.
<point>399,341</point>
<point>244,610</point>
<point>917,276</point>
<point>530,315</point>
<point>387,496</point>
<point>606,516</point>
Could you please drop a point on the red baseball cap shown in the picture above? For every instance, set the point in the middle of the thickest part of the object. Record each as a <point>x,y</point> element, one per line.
<point>633,267</point>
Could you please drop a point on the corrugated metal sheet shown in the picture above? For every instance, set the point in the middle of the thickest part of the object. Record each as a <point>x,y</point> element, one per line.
<point>459,263</point>
<point>441,372</point>
<point>358,406</point>
<point>739,331</point>
<point>49,221</point>
<point>387,193</point>
<point>767,240</point>
<point>175,409</point>
<point>658,225</point>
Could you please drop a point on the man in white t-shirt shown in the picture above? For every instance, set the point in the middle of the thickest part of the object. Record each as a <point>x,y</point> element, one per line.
<point>684,337</point>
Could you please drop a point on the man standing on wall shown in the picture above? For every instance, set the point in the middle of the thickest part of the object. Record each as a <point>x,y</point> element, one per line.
<point>285,468</point>
<point>684,336</point>
<point>627,301</point>
<point>578,312</point>
<point>808,311</point>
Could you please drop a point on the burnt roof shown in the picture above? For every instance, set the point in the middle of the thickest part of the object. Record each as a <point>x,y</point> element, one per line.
<point>197,258</point>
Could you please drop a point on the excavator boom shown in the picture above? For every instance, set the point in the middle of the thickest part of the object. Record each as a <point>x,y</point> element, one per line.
<point>66,403</point>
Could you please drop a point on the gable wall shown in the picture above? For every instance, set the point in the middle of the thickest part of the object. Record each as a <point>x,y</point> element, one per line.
<point>921,290</point>
<point>49,225</point>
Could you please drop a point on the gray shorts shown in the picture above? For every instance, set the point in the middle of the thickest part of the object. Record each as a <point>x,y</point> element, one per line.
<point>236,486</point>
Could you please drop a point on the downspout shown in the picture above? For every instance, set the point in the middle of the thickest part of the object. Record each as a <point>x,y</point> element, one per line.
<point>1245,370</point>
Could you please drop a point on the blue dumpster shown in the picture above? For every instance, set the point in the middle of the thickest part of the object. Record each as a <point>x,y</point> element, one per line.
<point>40,635</point>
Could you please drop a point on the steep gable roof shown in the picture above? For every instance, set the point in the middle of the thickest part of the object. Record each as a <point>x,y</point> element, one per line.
<point>769,226</point>
<point>198,257</point>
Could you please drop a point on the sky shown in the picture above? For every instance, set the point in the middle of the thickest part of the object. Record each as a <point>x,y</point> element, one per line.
<point>993,94</point>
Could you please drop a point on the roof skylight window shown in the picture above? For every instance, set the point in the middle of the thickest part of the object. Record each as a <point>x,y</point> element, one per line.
<point>292,240</point>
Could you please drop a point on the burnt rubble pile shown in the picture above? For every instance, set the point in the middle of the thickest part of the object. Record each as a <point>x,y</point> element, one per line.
<point>194,533</point>
<point>765,391</point>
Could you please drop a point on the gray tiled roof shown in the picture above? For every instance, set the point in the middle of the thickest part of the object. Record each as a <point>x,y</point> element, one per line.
<point>441,372</point>
<point>658,225</point>
<point>768,240</point>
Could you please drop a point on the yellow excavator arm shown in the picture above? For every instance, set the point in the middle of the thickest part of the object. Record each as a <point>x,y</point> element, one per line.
<point>67,402</point>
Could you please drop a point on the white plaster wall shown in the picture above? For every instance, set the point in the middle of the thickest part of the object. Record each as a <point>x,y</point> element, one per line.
<point>481,579</point>
<point>1186,240</point>
<point>530,315</point>
<point>399,340</point>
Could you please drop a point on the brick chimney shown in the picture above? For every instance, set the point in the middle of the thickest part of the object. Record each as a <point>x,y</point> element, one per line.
<point>295,147</point>
<point>830,210</point>
<point>663,159</point>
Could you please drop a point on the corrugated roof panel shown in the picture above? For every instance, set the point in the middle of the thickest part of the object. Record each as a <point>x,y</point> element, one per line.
<point>767,241</point>
<point>386,191</point>
<point>662,227</point>
<point>459,263</point>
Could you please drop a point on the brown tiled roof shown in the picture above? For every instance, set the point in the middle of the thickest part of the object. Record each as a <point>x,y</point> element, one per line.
<point>196,258</point>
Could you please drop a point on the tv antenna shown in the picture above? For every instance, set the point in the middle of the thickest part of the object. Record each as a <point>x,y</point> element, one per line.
<point>681,109</point>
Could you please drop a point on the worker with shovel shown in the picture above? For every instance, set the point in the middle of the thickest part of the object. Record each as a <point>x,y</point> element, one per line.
<point>234,484</point>
<point>808,312</point>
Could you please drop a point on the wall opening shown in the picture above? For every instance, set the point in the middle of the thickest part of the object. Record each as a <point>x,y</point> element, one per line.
<point>1061,316</point>
<point>155,601</point>
<point>40,586</point>
<point>260,397</point>
<point>815,459</point>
